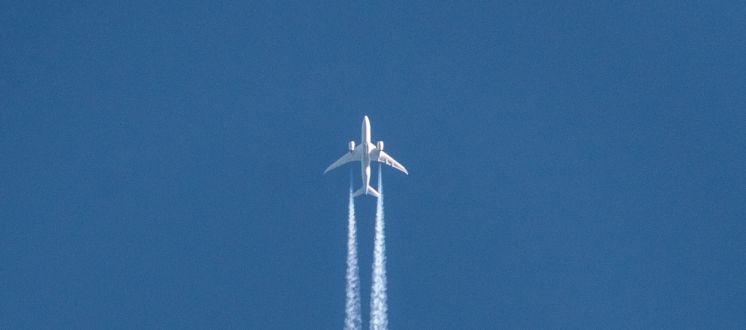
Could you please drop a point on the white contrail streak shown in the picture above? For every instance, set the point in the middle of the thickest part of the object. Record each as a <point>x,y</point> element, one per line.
<point>378,307</point>
<point>353,319</point>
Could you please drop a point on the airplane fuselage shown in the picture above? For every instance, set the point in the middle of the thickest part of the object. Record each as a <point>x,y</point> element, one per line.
<point>366,144</point>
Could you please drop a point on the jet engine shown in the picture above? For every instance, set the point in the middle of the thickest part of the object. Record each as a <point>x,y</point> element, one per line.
<point>380,145</point>
<point>352,146</point>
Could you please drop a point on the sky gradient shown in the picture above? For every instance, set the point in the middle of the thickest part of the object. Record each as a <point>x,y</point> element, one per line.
<point>574,165</point>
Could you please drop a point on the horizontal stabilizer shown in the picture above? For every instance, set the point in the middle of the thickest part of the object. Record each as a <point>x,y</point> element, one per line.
<point>368,191</point>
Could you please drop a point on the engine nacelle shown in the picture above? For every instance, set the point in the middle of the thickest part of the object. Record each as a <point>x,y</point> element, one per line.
<point>352,146</point>
<point>379,145</point>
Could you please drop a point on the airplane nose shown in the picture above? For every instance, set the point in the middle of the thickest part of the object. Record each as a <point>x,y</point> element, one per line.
<point>366,120</point>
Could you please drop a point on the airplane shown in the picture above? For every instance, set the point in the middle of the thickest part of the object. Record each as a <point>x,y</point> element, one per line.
<point>366,152</point>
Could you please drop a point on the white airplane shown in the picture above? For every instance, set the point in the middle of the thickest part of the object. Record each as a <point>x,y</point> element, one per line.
<point>364,153</point>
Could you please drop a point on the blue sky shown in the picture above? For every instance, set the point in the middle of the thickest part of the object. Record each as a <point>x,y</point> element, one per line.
<point>571,165</point>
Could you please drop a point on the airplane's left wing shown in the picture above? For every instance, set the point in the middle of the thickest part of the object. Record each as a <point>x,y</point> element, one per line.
<point>383,157</point>
<point>346,158</point>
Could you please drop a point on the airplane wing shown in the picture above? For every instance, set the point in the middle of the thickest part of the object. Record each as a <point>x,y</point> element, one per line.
<point>346,158</point>
<point>382,157</point>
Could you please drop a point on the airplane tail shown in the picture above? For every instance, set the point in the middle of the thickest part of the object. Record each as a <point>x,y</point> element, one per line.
<point>367,191</point>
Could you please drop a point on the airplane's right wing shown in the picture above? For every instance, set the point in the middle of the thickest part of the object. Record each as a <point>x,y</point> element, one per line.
<point>388,160</point>
<point>346,158</point>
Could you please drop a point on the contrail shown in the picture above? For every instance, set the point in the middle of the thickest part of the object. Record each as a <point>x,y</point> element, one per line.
<point>378,307</point>
<point>352,304</point>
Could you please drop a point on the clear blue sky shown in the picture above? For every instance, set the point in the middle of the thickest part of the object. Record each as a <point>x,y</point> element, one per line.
<point>572,165</point>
